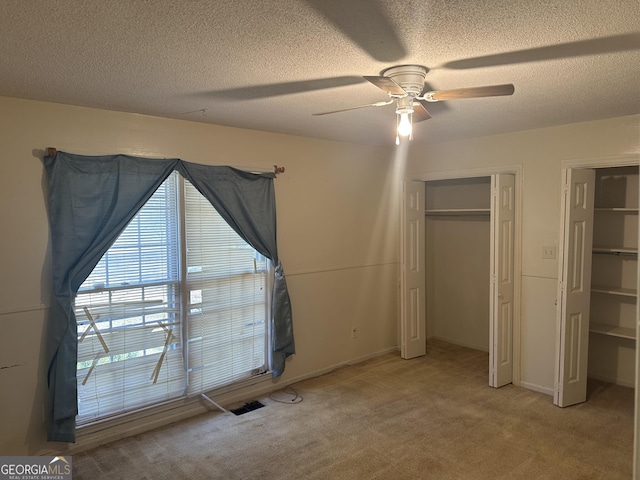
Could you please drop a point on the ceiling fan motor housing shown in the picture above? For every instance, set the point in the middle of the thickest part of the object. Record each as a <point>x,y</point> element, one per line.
<point>410,77</point>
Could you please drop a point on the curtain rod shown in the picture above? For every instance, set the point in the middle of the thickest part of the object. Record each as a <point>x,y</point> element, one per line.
<point>51,152</point>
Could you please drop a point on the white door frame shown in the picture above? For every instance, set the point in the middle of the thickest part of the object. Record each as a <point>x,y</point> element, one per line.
<point>626,160</point>
<point>517,171</point>
<point>636,429</point>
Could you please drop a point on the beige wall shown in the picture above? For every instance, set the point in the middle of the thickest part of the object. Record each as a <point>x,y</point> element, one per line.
<point>337,231</point>
<point>540,153</point>
<point>337,234</point>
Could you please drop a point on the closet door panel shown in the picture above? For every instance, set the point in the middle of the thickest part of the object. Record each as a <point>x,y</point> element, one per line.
<point>413,322</point>
<point>575,281</point>
<point>502,279</point>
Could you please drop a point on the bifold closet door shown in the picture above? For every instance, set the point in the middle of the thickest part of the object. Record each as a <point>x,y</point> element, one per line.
<point>502,279</point>
<point>575,288</point>
<point>413,323</point>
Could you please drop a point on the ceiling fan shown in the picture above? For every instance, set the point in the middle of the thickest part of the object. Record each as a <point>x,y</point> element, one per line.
<point>367,25</point>
<point>405,86</point>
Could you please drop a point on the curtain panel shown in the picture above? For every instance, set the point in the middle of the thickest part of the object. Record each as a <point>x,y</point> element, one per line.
<point>92,199</point>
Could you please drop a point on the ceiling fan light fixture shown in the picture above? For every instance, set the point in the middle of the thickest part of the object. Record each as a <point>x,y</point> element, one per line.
<point>404,124</point>
<point>404,110</point>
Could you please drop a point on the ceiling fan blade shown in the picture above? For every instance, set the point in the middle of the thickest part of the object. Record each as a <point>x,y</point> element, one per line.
<point>386,84</point>
<point>377,104</point>
<point>285,88</point>
<point>366,24</point>
<point>595,46</point>
<point>474,92</point>
<point>420,112</point>
<point>436,108</point>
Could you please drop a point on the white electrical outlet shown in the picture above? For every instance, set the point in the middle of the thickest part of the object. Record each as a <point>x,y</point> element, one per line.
<point>549,251</point>
<point>354,332</point>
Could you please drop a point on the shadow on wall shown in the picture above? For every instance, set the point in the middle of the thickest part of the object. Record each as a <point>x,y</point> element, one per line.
<point>385,233</point>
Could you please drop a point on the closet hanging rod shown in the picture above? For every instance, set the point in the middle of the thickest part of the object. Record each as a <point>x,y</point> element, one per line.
<point>51,152</point>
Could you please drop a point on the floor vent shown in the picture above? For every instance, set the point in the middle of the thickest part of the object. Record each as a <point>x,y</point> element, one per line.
<point>249,407</point>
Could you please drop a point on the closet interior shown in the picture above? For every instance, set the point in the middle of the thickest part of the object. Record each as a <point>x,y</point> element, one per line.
<point>458,236</point>
<point>614,289</point>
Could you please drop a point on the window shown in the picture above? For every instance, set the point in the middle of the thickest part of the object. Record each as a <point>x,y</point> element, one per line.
<point>177,306</point>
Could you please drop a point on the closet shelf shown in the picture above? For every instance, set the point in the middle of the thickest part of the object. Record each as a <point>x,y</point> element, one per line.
<point>612,330</point>
<point>616,209</point>
<point>616,250</point>
<point>625,292</point>
<point>457,211</point>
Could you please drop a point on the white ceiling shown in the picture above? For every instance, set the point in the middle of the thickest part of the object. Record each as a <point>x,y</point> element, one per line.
<point>268,65</point>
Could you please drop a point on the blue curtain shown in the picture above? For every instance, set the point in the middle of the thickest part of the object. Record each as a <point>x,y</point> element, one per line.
<point>92,199</point>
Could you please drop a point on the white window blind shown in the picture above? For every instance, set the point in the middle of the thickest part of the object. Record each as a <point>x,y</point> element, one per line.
<point>176,268</point>
<point>227,311</point>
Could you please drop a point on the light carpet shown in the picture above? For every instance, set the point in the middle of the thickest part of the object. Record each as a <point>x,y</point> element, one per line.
<point>433,417</point>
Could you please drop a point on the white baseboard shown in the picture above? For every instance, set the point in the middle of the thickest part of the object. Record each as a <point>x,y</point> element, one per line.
<point>462,344</point>
<point>336,366</point>
<point>549,391</point>
<point>110,430</point>
<point>537,388</point>
<point>617,381</point>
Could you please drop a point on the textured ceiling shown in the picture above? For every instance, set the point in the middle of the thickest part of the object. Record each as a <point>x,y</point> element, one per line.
<point>268,65</point>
